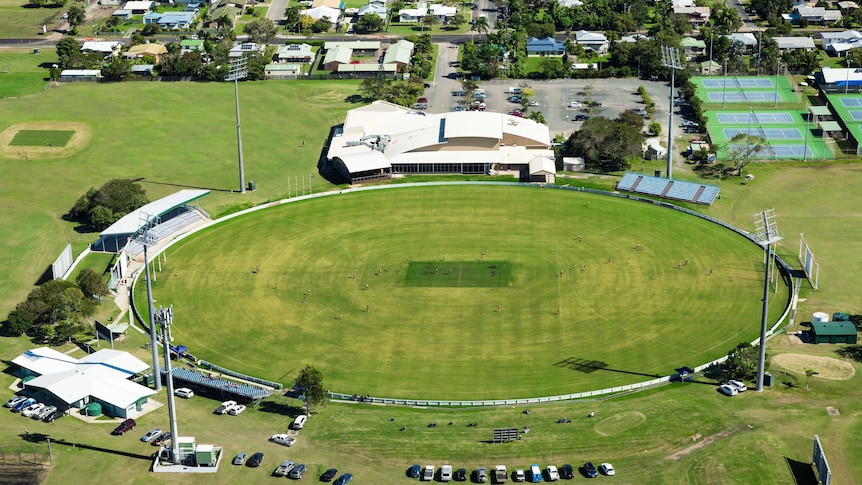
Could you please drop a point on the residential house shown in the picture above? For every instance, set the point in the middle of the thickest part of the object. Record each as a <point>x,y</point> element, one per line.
<point>846,7</point>
<point>139,7</point>
<point>143,70</point>
<point>191,45</point>
<point>374,9</point>
<point>785,43</point>
<point>276,71</point>
<point>570,3</point>
<point>240,50</point>
<point>692,47</point>
<point>323,12</point>
<point>295,53</point>
<point>443,13</point>
<point>841,48</point>
<point>747,39</point>
<point>359,47</point>
<point>682,3</point>
<point>366,70</point>
<point>399,53</point>
<point>192,7</point>
<point>634,38</point>
<point>710,68</point>
<point>592,41</point>
<point>106,48</point>
<point>142,50</point>
<point>123,14</point>
<point>545,47</point>
<point>335,57</point>
<point>177,20</point>
<point>696,16</point>
<point>328,3</point>
<point>813,15</point>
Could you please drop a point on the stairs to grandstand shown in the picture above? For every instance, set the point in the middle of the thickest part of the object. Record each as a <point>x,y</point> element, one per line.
<point>165,229</point>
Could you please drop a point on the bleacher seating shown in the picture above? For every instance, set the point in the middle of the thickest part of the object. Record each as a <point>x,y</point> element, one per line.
<point>671,189</point>
<point>164,229</point>
<point>218,387</point>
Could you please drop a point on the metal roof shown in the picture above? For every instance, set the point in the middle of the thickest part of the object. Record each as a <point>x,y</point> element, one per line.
<point>833,328</point>
<point>133,221</point>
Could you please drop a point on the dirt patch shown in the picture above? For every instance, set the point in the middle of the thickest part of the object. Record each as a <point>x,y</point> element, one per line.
<point>825,367</point>
<point>82,136</point>
<point>679,455</point>
<point>832,411</point>
<point>618,423</point>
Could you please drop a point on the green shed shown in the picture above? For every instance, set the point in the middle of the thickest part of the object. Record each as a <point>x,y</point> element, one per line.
<point>833,333</point>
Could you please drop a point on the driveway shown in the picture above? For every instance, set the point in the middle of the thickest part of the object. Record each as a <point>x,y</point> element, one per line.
<point>276,9</point>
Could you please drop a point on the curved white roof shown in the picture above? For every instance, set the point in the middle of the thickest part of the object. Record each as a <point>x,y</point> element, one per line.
<point>131,222</point>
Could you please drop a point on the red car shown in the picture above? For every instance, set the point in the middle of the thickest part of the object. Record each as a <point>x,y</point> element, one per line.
<point>126,425</point>
<point>517,113</point>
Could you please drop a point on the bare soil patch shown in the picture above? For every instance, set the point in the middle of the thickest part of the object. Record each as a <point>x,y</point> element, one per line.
<point>825,367</point>
<point>82,136</point>
<point>679,455</point>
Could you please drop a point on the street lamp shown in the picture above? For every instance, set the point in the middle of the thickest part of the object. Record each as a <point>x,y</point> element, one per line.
<point>670,59</point>
<point>238,70</point>
<point>165,317</point>
<point>766,234</point>
<point>145,239</point>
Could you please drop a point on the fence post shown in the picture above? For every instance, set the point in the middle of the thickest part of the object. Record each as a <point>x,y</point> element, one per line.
<point>50,455</point>
<point>19,454</point>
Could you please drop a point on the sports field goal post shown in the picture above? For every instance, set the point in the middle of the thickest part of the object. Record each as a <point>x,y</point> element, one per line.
<point>809,264</point>
<point>818,459</point>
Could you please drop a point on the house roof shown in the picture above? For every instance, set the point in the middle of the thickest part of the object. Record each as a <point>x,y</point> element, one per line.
<point>372,8</point>
<point>794,42</point>
<point>282,67</point>
<point>401,52</point>
<point>582,36</point>
<point>632,39</point>
<point>702,12</point>
<point>138,5</point>
<point>339,54</point>
<point>364,45</point>
<point>818,13</point>
<point>131,222</point>
<point>148,49</point>
<point>747,38</point>
<point>692,42</point>
<point>570,3</point>
<point>548,44</point>
<point>708,64</point>
<point>327,3</point>
<point>101,46</point>
<point>847,5</point>
<point>329,13</point>
<point>295,51</point>
<point>833,328</point>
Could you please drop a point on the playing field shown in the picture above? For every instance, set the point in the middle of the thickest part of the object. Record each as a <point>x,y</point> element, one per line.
<point>785,130</point>
<point>464,292</point>
<point>40,138</point>
<point>746,90</point>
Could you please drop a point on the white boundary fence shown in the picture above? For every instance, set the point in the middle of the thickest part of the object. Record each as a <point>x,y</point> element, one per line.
<point>783,266</point>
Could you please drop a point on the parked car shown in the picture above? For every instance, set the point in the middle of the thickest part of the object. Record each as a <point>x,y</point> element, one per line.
<point>519,476</point>
<point>458,93</point>
<point>161,439</point>
<point>414,471</point>
<point>596,104</point>
<point>420,106</point>
<point>727,390</point>
<point>283,439</point>
<point>299,422</point>
<point>44,412</point>
<point>236,410</point>
<point>240,458</point>
<point>553,474</point>
<point>15,401</point>
<point>297,471</point>
<point>581,117</point>
<point>53,416</point>
<point>567,472</point>
<point>225,407</point>
<point>32,409</point>
<point>460,475</point>
<point>422,100</point>
<point>184,392</point>
<point>641,112</point>
<point>458,108</point>
<point>535,473</point>
<point>328,475</point>
<point>694,124</point>
<point>515,99</point>
<point>125,426</point>
<point>255,460</point>
<point>574,104</point>
<point>149,435</point>
<point>428,473</point>
<point>344,479</point>
<point>607,469</point>
<point>283,469</point>
<point>517,112</point>
<point>445,473</point>
<point>590,470</point>
<point>740,387</point>
<point>23,404</point>
<point>481,475</point>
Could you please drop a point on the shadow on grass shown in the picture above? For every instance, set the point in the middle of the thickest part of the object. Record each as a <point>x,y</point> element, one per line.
<point>803,473</point>
<point>184,186</point>
<point>43,438</point>
<point>282,409</point>
<point>853,352</point>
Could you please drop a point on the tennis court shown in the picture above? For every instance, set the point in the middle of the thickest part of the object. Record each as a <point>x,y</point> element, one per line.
<point>743,96</point>
<point>738,82</point>
<point>851,102</point>
<point>749,90</point>
<point>856,114</point>
<point>767,133</point>
<point>759,117</point>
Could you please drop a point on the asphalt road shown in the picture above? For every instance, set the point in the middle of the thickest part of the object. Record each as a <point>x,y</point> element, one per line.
<point>276,9</point>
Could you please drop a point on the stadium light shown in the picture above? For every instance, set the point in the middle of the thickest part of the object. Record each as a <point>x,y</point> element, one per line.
<point>165,317</point>
<point>238,70</point>
<point>766,234</point>
<point>670,58</point>
<point>145,239</point>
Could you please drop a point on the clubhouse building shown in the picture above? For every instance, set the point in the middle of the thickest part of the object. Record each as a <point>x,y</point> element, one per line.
<point>382,139</point>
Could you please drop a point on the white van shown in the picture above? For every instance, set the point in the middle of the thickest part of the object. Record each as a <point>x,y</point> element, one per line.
<point>515,90</point>
<point>299,422</point>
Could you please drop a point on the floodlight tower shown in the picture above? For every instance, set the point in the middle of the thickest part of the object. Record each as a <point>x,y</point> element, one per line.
<point>165,317</point>
<point>145,239</point>
<point>670,58</point>
<point>766,234</point>
<point>238,70</point>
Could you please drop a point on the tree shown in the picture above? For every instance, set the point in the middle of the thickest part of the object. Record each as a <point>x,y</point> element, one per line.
<point>68,52</point>
<point>369,23</point>
<point>606,145</point>
<point>118,68</point>
<point>744,149</point>
<point>77,15</point>
<point>536,116</point>
<point>481,25</point>
<point>151,29</point>
<point>309,383</point>
<point>741,362</point>
<point>808,374</point>
<point>430,20</point>
<point>306,23</point>
<point>321,25</point>
<point>292,18</point>
<point>458,20</point>
<point>101,208</point>
<point>261,31</point>
<point>91,284</point>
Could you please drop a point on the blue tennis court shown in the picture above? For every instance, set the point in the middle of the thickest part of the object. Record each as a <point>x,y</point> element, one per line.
<point>760,117</point>
<point>787,151</point>
<point>852,102</point>
<point>734,82</point>
<point>768,133</point>
<point>856,114</point>
<point>746,96</point>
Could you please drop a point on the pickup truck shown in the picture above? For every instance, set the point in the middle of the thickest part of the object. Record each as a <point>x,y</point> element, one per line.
<point>500,474</point>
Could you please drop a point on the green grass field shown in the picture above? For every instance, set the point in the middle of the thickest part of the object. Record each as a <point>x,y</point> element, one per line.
<point>488,336</point>
<point>40,138</point>
<point>25,75</point>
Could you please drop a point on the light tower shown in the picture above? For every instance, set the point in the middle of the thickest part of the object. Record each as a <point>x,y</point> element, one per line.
<point>238,70</point>
<point>766,234</point>
<point>145,239</point>
<point>165,317</point>
<point>670,59</point>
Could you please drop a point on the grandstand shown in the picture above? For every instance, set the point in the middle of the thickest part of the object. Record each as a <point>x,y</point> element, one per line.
<point>160,231</point>
<point>668,188</point>
<point>218,388</point>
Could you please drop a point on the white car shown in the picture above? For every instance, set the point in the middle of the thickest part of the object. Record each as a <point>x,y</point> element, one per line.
<point>14,401</point>
<point>236,409</point>
<point>574,104</point>
<point>225,407</point>
<point>42,413</point>
<point>727,390</point>
<point>151,434</point>
<point>738,385</point>
<point>607,469</point>
<point>283,439</point>
<point>553,474</point>
<point>445,473</point>
<point>428,473</point>
<point>184,392</point>
<point>519,475</point>
<point>31,409</point>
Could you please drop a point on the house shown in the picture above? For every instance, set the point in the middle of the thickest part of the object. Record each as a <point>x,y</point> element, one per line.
<point>336,56</point>
<point>359,47</point>
<point>337,4</point>
<point>143,70</point>
<point>124,15</point>
<point>813,15</point>
<point>846,7</point>
<point>443,13</point>
<point>240,50</point>
<point>366,70</point>
<point>682,3</point>
<point>545,47</point>
<point>323,12</point>
<point>177,20</point>
<point>191,45</point>
<point>77,75</point>
<point>786,43</point>
<point>102,377</point>
<point>400,53</point>
<point>747,39</point>
<point>710,68</point>
<point>373,9</point>
<point>106,48</point>
<point>696,16</point>
<point>276,71</point>
<point>839,43</point>
<point>295,53</point>
<point>141,50</point>
<point>139,7</point>
<point>570,3</point>
<point>192,7</point>
<point>692,47</point>
<point>592,41</point>
<point>634,38</point>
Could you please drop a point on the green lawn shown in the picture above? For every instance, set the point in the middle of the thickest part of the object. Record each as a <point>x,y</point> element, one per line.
<point>19,22</point>
<point>40,138</point>
<point>26,74</point>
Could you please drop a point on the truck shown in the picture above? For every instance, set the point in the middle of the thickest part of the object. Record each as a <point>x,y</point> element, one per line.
<point>515,90</point>
<point>283,469</point>
<point>500,474</point>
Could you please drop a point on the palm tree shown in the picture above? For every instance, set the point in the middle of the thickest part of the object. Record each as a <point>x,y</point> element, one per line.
<point>808,374</point>
<point>481,25</point>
